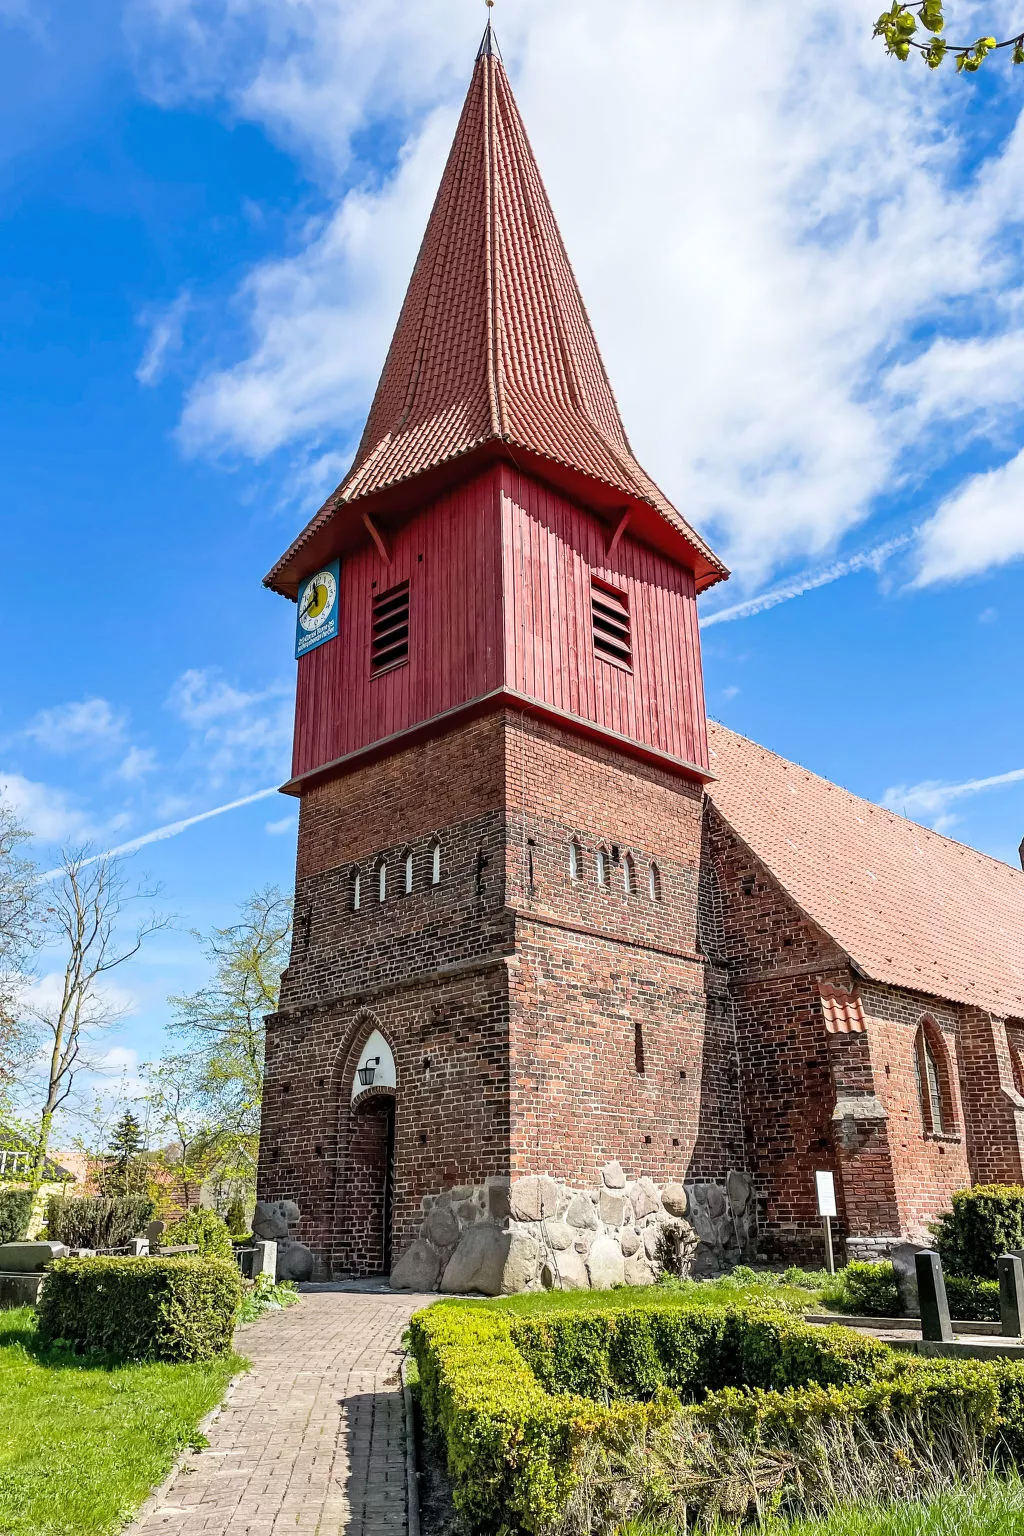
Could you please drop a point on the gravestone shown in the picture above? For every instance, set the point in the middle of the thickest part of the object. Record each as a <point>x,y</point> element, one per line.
<point>931,1289</point>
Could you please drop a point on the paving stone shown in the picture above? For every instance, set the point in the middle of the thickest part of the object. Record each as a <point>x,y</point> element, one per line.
<point>312,1438</point>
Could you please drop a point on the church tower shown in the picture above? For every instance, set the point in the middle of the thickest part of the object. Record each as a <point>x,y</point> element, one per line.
<point>496,995</point>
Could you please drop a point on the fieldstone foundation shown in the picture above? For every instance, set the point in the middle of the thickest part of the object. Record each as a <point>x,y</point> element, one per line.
<point>539,1233</point>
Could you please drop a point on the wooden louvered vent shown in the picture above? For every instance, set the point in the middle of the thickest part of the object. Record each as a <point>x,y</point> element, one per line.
<point>610,615</point>
<point>389,646</point>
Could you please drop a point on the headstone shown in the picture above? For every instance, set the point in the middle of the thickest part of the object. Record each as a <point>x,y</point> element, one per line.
<point>28,1258</point>
<point>1011,1296</point>
<point>931,1289</point>
<point>154,1232</point>
<point>140,1247</point>
<point>264,1259</point>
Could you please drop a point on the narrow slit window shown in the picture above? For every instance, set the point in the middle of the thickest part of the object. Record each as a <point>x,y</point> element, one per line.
<point>654,883</point>
<point>408,872</point>
<point>357,890</point>
<point>609,611</point>
<point>435,862</point>
<point>602,867</point>
<point>575,861</point>
<point>382,880</point>
<point>628,875</point>
<point>389,642</point>
<point>638,1048</point>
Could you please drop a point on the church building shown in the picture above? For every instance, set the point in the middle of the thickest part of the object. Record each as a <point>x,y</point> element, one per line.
<point>580,980</point>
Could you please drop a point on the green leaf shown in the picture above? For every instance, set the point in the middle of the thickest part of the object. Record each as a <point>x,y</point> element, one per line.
<point>1018,51</point>
<point>935,52</point>
<point>931,15</point>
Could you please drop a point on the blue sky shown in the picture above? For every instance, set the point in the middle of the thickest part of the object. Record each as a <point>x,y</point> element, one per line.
<point>802,261</point>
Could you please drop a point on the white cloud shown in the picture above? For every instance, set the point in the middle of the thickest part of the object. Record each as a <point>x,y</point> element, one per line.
<point>166,333</point>
<point>51,815</point>
<point>281,828</point>
<point>138,762</point>
<point>758,238</point>
<point>980,526</point>
<point>109,1003</point>
<point>233,731</point>
<point>70,727</point>
<point>932,798</point>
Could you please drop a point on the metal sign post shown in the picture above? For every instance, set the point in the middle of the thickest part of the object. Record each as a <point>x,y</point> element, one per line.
<point>825,1184</point>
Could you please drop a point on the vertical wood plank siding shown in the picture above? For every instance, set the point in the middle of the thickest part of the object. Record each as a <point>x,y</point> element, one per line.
<point>501,597</point>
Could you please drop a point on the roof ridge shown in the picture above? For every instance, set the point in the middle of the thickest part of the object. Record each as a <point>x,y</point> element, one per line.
<point>873,805</point>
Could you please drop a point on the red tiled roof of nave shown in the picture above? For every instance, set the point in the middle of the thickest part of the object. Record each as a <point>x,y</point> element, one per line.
<point>493,343</point>
<point>910,907</point>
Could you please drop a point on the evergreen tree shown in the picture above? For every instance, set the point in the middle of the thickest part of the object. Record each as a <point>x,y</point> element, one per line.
<point>126,1171</point>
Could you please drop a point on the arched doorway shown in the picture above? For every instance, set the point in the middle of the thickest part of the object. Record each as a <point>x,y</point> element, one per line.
<point>371,1161</point>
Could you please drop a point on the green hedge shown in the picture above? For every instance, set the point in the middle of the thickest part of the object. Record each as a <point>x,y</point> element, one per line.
<point>15,1214</point>
<point>518,1401</point>
<point>98,1223</point>
<point>870,1290</point>
<point>141,1309</point>
<point>984,1223</point>
<point>206,1229</point>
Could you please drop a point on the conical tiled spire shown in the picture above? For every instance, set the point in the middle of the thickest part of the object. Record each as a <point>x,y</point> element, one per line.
<point>493,344</point>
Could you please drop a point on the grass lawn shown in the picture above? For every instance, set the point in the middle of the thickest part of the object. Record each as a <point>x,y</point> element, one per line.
<point>81,1445</point>
<point>997,1509</point>
<point>742,1286</point>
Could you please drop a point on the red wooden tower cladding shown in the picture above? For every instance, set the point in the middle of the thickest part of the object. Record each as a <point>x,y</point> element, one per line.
<point>495,990</point>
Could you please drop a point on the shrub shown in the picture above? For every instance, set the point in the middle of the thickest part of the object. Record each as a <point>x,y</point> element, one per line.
<point>971,1298</point>
<point>235,1219</point>
<point>15,1214</point>
<point>97,1223</point>
<point>819,1409</point>
<point>865,1290</point>
<point>141,1309</point>
<point>984,1222</point>
<point>204,1228</point>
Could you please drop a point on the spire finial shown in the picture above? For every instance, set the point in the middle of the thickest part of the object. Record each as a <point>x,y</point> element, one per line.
<point>490,43</point>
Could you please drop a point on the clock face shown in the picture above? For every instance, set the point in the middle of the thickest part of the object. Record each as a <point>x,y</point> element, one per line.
<point>316,601</point>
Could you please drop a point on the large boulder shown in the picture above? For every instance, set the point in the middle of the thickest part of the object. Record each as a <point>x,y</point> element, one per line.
<point>522,1263</point>
<point>272,1218</point>
<point>740,1189</point>
<point>612,1176</point>
<point>638,1270</point>
<point>534,1197</point>
<point>582,1213</point>
<point>612,1207</point>
<point>499,1199</point>
<point>675,1200</point>
<point>605,1264</point>
<point>559,1234</point>
<point>644,1197</point>
<point>418,1269</point>
<point>441,1227</point>
<point>629,1241</point>
<point>478,1263</point>
<point>568,1272</point>
<point>294,1262</point>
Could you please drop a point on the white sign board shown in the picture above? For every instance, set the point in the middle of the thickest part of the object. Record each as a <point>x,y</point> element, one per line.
<point>826,1186</point>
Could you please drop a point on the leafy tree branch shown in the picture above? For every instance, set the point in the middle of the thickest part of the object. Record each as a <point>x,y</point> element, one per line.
<point>898,27</point>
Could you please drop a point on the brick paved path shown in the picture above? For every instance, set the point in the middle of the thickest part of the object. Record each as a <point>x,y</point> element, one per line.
<point>312,1439</point>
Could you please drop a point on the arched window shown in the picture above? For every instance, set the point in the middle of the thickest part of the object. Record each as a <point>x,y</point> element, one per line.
<point>638,1048</point>
<point>628,875</point>
<point>435,862</point>
<point>601,858</point>
<point>356,888</point>
<point>407,859</point>
<point>381,868</point>
<point>575,861</point>
<point>1015,1040</point>
<point>654,882</point>
<point>933,1080</point>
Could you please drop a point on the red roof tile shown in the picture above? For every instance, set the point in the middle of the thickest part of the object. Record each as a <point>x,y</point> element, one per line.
<point>910,908</point>
<point>493,343</point>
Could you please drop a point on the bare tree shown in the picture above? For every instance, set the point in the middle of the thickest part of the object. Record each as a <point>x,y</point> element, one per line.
<point>179,1105</point>
<point>19,935</point>
<point>86,904</point>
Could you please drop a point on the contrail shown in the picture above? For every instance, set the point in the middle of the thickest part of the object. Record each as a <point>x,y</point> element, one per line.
<point>159,834</point>
<point>870,559</point>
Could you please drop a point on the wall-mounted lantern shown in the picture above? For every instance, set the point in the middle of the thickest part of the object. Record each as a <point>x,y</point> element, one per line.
<point>368,1072</point>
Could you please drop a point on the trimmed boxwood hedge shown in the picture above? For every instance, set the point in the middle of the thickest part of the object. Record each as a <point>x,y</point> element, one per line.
<point>984,1223</point>
<point>15,1214</point>
<point>141,1309</point>
<point>516,1400</point>
<point>870,1290</point>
